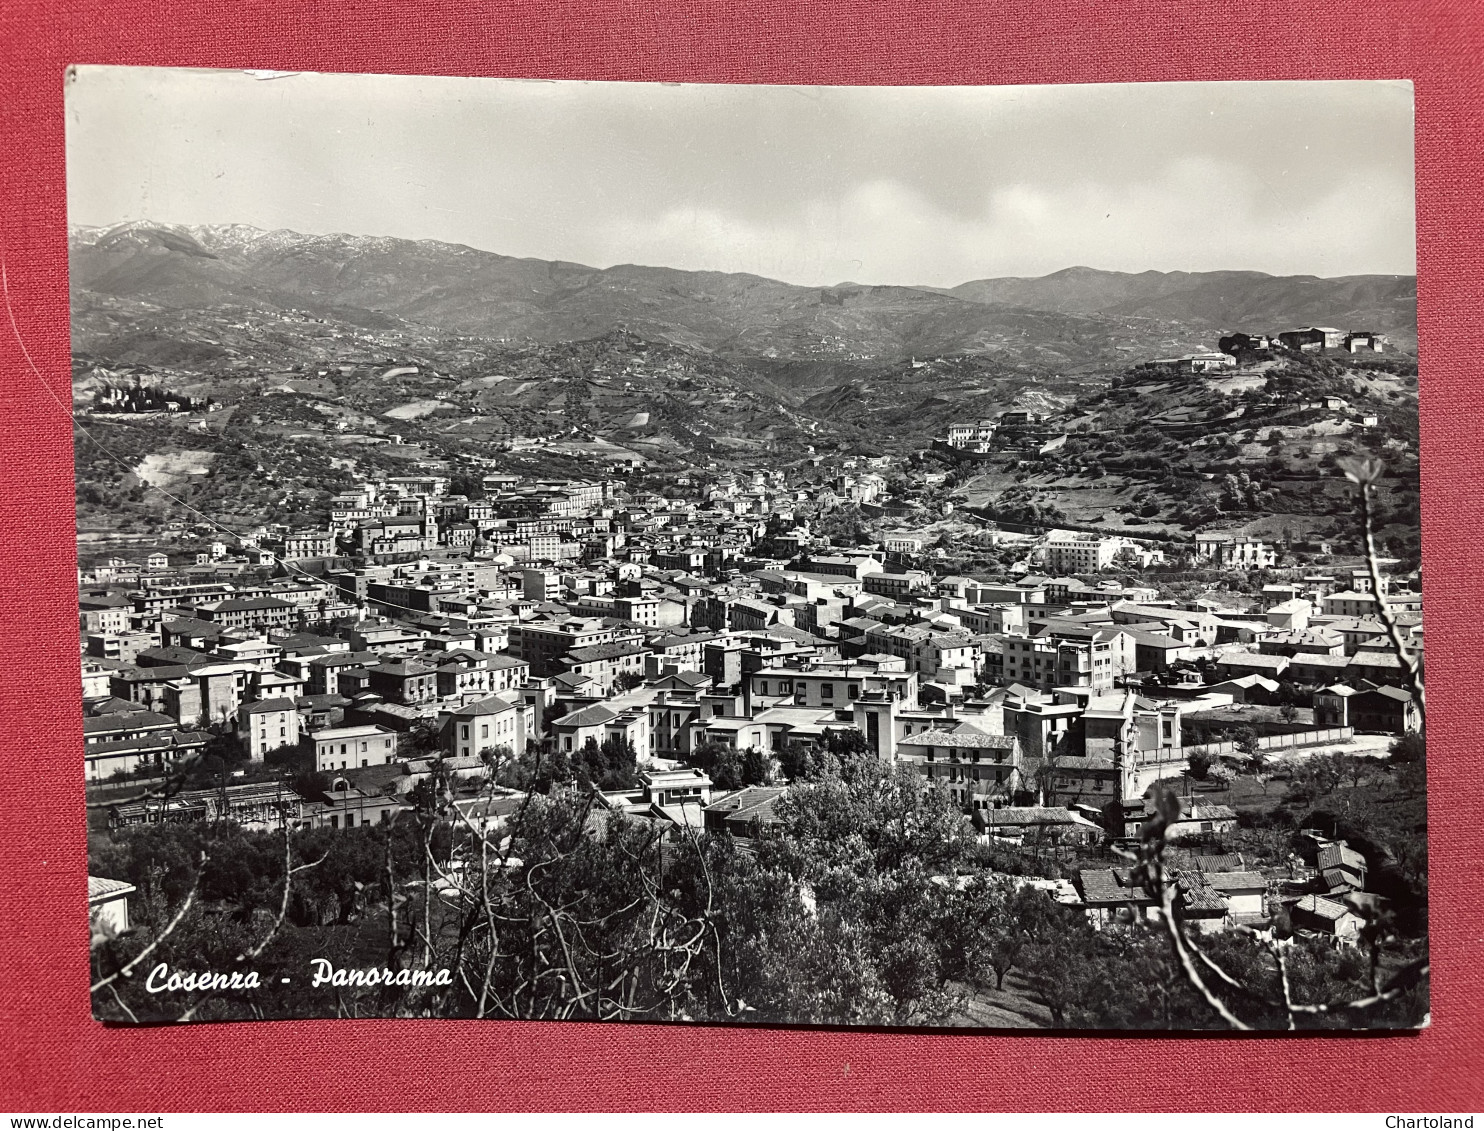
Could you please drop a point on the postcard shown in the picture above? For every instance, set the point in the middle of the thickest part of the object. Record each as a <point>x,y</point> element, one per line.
<point>913,557</point>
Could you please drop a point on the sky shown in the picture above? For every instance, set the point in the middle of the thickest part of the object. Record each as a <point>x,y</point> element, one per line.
<point>812,185</point>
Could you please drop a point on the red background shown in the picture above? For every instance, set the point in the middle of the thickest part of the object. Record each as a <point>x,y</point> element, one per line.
<point>53,1057</point>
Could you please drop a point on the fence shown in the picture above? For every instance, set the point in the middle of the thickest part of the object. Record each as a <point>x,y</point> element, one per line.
<point>1273,742</point>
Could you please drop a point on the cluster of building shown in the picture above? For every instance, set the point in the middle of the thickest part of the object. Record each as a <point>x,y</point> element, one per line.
<point>1305,339</point>
<point>1014,430</point>
<point>1320,888</point>
<point>1231,347</point>
<point>566,613</point>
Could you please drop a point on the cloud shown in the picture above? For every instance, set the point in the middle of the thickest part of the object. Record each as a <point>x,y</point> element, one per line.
<point>808,184</point>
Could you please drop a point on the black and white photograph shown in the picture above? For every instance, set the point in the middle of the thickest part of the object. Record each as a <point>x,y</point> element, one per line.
<point>939,558</point>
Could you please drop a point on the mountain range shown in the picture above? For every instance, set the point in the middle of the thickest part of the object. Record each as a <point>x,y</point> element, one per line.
<point>1078,319</point>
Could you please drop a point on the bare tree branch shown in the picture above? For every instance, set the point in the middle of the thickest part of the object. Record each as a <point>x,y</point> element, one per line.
<point>175,922</point>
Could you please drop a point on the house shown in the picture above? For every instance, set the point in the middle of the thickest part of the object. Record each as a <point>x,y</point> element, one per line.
<point>1376,665</point>
<point>1326,917</point>
<point>111,726</point>
<point>1315,669</point>
<point>108,905</point>
<point>1198,905</point>
<point>125,741</point>
<point>1126,819</point>
<point>674,798</point>
<point>1373,710</point>
<point>979,769</point>
<point>341,748</point>
<point>491,810</point>
<point>1123,726</point>
<point>1312,339</point>
<point>270,724</point>
<point>1110,896</point>
<point>1279,594</point>
<point>1341,868</point>
<point>405,681</point>
<point>604,663</point>
<point>1221,862</point>
<point>1041,727</point>
<point>832,685</point>
<point>1245,893</point>
<point>104,616</point>
<point>1366,633</point>
<point>1332,705</point>
<point>316,712</point>
<point>1305,642</point>
<point>345,807</point>
<point>1350,603</point>
<point>1234,552</point>
<point>1239,342</point>
<point>97,677</point>
<point>462,672</point>
<point>500,720</point>
<point>303,544</point>
<point>1248,689</point>
<point>1384,710</point>
<point>747,813</point>
<point>603,722</point>
<point>1193,363</point>
<point>895,585</point>
<point>1157,651</point>
<point>1289,615</point>
<point>1041,822</point>
<point>543,643</point>
<point>1082,779</point>
<point>1234,665</point>
<point>1068,552</point>
<point>248,612</point>
<point>1068,655</point>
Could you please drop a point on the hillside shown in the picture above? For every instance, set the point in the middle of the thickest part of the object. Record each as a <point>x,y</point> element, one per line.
<point>1074,319</point>
<point>329,356</point>
<point>1217,300</point>
<point>1256,453</point>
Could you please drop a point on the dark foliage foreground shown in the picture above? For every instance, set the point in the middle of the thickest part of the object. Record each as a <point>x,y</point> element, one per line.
<point>868,907</point>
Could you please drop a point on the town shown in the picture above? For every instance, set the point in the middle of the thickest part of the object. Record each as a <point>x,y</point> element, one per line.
<point>684,654</point>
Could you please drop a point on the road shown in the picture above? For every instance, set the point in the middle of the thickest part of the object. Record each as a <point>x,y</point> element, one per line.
<point>1362,746</point>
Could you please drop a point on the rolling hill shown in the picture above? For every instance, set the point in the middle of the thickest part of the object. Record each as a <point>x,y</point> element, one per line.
<point>155,279</point>
<point>1219,299</point>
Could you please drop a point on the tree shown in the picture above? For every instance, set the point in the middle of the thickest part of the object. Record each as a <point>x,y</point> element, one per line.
<point>989,924</point>
<point>1062,977</point>
<point>730,768</point>
<point>1409,754</point>
<point>1407,748</point>
<point>466,483</point>
<point>228,747</point>
<point>861,851</point>
<point>420,741</point>
<point>757,768</point>
<point>1221,775</point>
<point>627,681</point>
<point>837,752</point>
<point>609,765</point>
<point>1200,764</point>
<point>1246,741</point>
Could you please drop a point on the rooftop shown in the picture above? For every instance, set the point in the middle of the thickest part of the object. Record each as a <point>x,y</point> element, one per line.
<point>267,706</point>
<point>964,739</point>
<point>1324,908</point>
<point>366,730</point>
